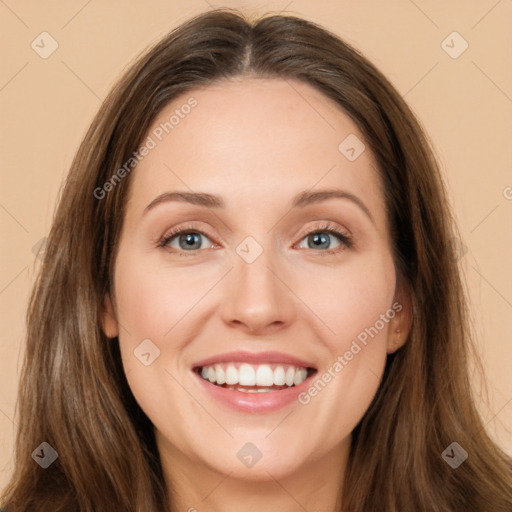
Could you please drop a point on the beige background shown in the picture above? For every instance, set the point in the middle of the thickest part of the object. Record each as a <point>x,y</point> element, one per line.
<point>465,103</point>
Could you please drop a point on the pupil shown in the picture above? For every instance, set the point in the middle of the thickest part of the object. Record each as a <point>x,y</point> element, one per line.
<point>191,239</point>
<point>320,240</point>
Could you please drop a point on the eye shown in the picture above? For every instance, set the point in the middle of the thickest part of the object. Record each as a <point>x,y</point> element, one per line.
<point>327,238</point>
<point>186,240</point>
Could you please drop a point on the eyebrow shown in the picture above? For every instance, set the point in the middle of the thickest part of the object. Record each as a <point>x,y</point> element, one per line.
<point>197,198</point>
<point>301,200</point>
<point>306,198</point>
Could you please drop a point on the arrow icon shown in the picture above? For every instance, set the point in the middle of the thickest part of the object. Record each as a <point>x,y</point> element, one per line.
<point>39,249</point>
<point>44,45</point>
<point>45,455</point>
<point>454,455</point>
<point>249,455</point>
<point>146,352</point>
<point>249,253</point>
<point>454,45</point>
<point>351,147</point>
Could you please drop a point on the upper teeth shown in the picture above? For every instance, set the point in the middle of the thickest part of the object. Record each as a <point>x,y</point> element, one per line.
<point>254,375</point>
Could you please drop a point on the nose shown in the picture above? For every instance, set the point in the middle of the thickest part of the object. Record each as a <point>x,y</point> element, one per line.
<point>257,299</point>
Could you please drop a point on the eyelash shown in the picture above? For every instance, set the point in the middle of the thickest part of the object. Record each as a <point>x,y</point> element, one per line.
<point>344,238</point>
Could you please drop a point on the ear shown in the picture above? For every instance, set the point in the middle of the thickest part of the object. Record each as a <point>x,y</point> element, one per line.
<point>108,318</point>
<point>400,325</point>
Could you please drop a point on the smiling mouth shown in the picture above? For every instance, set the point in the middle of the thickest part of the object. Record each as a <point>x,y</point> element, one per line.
<point>252,378</point>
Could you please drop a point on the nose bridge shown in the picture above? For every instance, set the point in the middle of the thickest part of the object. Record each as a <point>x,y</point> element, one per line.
<point>257,298</point>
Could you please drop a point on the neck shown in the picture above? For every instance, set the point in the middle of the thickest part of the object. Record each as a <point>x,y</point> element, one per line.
<point>195,486</point>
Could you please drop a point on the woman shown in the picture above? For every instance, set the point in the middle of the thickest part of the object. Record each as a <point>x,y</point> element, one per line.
<point>249,293</point>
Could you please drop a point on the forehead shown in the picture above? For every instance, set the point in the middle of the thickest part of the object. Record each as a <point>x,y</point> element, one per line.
<point>254,141</point>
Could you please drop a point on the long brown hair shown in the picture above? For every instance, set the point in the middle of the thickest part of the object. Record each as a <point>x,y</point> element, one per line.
<point>73,392</point>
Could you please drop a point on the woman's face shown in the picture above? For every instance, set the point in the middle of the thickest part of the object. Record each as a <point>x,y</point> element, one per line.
<point>259,292</point>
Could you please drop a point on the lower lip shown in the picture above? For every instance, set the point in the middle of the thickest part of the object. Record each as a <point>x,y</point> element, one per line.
<point>254,402</point>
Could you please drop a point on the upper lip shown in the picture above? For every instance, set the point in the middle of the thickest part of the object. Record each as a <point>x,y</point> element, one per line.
<point>241,356</point>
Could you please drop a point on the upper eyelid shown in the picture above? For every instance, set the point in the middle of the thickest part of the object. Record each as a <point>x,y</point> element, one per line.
<point>185,229</point>
<point>326,226</point>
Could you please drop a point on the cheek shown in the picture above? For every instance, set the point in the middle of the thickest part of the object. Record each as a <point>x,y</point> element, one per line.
<point>152,303</point>
<point>355,306</point>
<point>160,303</point>
<point>349,299</point>
<point>152,298</point>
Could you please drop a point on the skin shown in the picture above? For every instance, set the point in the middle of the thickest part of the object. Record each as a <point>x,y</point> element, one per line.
<point>256,143</point>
